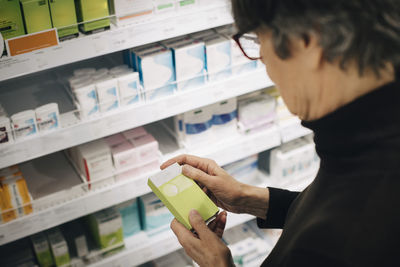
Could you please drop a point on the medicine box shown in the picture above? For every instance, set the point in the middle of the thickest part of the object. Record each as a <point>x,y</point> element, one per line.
<point>157,73</point>
<point>124,155</point>
<point>225,118</point>
<point>11,23</point>
<point>197,126</point>
<point>24,124</point>
<point>94,160</point>
<point>218,57</point>
<point>95,11</point>
<point>76,238</point>
<point>6,135</point>
<point>106,228</point>
<point>108,95</point>
<point>129,88</point>
<point>16,193</point>
<point>134,133</point>
<point>146,147</point>
<point>183,4</point>
<point>63,17</point>
<point>189,59</point>
<point>154,215</point>
<point>48,117</point>
<point>181,194</point>
<point>130,217</point>
<point>42,250</point>
<point>36,15</point>
<point>58,246</point>
<point>128,11</point>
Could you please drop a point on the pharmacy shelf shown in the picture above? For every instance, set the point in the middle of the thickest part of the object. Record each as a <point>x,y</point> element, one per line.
<point>141,248</point>
<point>158,27</point>
<point>86,202</point>
<point>127,118</point>
<point>291,129</point>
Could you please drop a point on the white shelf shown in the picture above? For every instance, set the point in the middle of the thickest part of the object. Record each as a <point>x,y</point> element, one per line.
<point>140,249</point>
<point>292,129</point>
<point>124,119</point>
<point>158,27</point>
<point>84,203</point>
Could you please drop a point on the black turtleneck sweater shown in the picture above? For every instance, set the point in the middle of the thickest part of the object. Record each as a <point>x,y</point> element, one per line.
<point>350,214</point>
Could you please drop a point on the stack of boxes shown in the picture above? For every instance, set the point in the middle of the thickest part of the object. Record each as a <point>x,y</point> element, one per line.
<point>15,200</point>
<point>104,90</point>
<point>129,154</point>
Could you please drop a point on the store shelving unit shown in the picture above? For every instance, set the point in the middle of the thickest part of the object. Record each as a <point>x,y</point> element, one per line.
<point>123,119</point>
<point>157,27</point>
<point>141,248</point>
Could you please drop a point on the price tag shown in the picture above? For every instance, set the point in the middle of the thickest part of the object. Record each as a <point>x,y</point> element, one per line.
<point>32,42</point>
<point>118,39</point>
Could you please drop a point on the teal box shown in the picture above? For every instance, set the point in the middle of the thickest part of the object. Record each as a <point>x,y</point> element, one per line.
<point>130,217</point>
<point>155,216</point>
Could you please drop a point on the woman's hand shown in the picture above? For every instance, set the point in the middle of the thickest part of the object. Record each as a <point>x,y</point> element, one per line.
<point>205,247</point>
<point>223,189</point>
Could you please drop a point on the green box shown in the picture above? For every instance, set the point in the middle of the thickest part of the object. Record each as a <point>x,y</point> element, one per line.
<point>11,24</point>
<point>106,228</point>
<point>181,194</point>
<point>36,15</point>
<point>59,247</point>
<point>94,11</point>
<point>63,16</point>
<point>42,250</point>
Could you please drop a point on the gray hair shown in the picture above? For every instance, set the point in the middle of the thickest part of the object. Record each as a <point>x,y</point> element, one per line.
<point>366,32</point>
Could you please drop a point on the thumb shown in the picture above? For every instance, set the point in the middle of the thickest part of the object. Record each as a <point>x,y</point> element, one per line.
<point>199,225</point>
<point>196,174</point>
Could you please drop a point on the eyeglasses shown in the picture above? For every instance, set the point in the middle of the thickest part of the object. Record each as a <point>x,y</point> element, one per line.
<point>249,44</point>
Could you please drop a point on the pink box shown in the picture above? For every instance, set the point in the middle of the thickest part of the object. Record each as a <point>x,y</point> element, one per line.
<point>147,148</point>
<point>124,155</point>
<point>131,174</point>
<point>150,167</point>
<point>134,133</point>
<point>115,139</point>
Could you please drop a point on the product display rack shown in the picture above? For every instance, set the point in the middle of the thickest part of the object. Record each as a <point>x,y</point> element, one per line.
<point>124,119</point>
<point>158,27</point>
<point>139,248</point>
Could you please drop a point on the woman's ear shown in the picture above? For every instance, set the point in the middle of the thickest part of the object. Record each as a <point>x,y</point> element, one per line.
<point>308,50</point>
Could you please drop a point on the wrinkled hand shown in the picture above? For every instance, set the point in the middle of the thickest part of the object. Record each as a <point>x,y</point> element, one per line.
<point>205,247</point>
<point>223,189</point>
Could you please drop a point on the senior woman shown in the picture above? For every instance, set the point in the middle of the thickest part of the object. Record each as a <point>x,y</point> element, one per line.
<point>334,63</point>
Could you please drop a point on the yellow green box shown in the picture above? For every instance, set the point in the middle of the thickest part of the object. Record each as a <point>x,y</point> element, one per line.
<point>181,194</point>
<point>94,11</point>
<point>63,16</point>
<point>36,15</point>
<point>11,24</point>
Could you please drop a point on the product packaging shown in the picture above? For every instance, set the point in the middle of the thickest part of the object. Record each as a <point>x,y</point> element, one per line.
<point>130,217</point>
<point>48,117</point>
<point>107,93</point>
<point>224,118</point>
<point>218,57</point>
<point>63,16</point>
<point>189,59</point>
<point>6,136</point>
<point>154,215</point>
<point>157,73</point>
<point>42,250</point>
<point>129,88</point>
<point>59,247</point>
<point>36,15</point>
<point>124,155</point>
<point>197,126</point>
<point>11,23</point>
<point>146,147</point>
<point>16,193</point>
<point>94,160</point>
<point>106,228</point>
<point>24,124</point>
<point>95,11</point>
<point>128,11</point>
<point>181,194</point>
<point>134,133</point>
